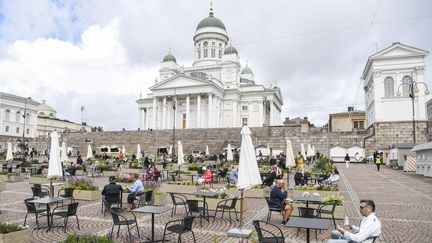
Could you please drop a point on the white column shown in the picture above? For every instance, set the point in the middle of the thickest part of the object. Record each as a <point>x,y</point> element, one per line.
<point>198,111</point>
<point>154,114</point>
<point>176,113</point>
<point>210,107</point>
<point>271,113</point>
<point>234,112</point>
<point>250,107</point>
<point>218,111</point>
<point>164,113</point>
<point>187,111</point>
<point>140,124</point>
<point>261,115</point>
<point>145,119</point>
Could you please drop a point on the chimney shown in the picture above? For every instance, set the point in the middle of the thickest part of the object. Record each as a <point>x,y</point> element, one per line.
<point>350,108</point>
<point>305,118</point>
<point>286,119</point>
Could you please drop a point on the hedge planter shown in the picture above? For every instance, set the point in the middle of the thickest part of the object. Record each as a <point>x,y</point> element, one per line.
<point>22,236</point>
<point>322,194</point>
<point>129,171</point>
<point>178,188</point>
<point>87,195</point>
<point>111,173</point>
<point>11,178</point>
<point>160,200</point>
<point>254,193</point>
<point>38,180</point>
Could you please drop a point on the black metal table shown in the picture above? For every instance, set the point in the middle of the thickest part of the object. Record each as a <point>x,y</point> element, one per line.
<point>52,185</point>
<point>153,210</point>
<point>308,223</point>
<point>307,199</point>
<point>47,201</point>
<point>205,194</point>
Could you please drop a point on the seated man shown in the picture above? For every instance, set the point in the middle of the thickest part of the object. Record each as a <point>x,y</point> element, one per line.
<point>278,196</point>
<point>332,179</point>
<point>369,228</point>
<point>111,188</point>
<point>271,176</point>
<point>233,176</point>
<point>299,178</point>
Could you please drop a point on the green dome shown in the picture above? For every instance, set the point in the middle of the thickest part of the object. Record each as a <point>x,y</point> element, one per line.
<point>211,21</point>
<point>246,70</point>
<point>169,58</point>
<point>230,50</point>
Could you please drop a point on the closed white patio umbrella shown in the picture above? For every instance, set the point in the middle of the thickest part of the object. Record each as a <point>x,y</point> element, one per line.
<point>290,162</point>
<point>89,152</point>
<point>180,155</point>
<point>302,151</point>
<point>138,153</point>
<point>55,169</point>
<point>230,156</point>
<point>124,151</point>
<point>9,154</point>
<point>207,150</point>
<point>64,157</point>
<point>248,174</point>
<point>170,150</point>
<point>309,150</point>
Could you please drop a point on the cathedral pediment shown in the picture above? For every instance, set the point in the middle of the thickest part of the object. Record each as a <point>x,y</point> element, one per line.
<point>399,50</point>
<point>180,81</point>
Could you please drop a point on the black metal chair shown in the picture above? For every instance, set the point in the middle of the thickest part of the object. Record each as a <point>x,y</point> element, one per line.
<point>320,210</point>
<point>68,193</point>
<point>269,229</point>
<point>195,207</point>
<point>40,192</point>
<point>178,200</point>
<point>110,199</point>
<point>145,198</point>
<point>184,227</point>
<point>120,219</point>
<point>227,205</point>
<point>65,214</point>
<point>31,209</point>
<point>308,213</point>
<point>270,204</point>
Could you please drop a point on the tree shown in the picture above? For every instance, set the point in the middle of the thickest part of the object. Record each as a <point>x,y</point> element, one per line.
<point>97,129</point>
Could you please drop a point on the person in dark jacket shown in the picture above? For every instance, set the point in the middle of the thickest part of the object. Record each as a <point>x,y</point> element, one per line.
<point>112,187</point>
<point>271,176</point>
<point>278,199</point>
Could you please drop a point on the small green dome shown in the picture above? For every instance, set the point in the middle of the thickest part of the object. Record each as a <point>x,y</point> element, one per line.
<point>246,70</point>
<point>170,57</point>
<point>230,50</point>
<point>211,21</point>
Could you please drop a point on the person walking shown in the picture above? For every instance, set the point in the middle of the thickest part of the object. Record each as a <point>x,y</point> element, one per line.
<point>378,161</point>
<point>347,160</point>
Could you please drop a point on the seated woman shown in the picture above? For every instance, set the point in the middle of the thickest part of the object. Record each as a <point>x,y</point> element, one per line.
<point>299,178</point>
<point>279,173</point>
<point>332,180</point>
<point>136,187</point>
<point>151,172</point>
<point>271,176</point>
<point>207,176</point>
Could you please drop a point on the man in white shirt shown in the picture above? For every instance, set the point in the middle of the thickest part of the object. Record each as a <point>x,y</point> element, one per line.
<point>370,227</point>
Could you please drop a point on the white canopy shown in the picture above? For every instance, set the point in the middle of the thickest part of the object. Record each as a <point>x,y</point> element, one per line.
<point>138,154</point>
<point>89,152</point>
<point>64,157</point>
<point>248,172</point>
<point>290,162</point>
<point>230,156</point>
<point>180,155</point>
<point>54,164</point>
<point>9,154</point>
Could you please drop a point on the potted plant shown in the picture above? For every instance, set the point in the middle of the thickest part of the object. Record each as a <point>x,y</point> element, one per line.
<point>84,188</point>
<point>11,233</point>
<point>87,239</point>
<point>180,187</point>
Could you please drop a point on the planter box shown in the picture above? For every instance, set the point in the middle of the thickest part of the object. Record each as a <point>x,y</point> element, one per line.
<point>87,195</point>
<point>38,180</point>
<point>160,199</point>
<point>212,203</point>
<point>179,188</point>
<point>12,178</point>
<point>322,194</point>
<point>254,193</point>
<point>2,186</point>
<point>22,236</point>
<point>129,171</point>
<point>111,173</point>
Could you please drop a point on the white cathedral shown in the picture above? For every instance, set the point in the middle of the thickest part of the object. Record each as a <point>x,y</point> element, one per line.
<point>214,93</point>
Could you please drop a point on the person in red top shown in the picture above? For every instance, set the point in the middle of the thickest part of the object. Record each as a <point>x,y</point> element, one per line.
<point>208,176</point>
<point>151,172</point>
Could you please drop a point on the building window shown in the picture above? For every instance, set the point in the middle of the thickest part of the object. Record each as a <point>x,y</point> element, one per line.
<point>205,53</point>
<point>220,54</point>
<point>244,107</point>
<point>388,87</point>
<point>7,115</point>
<point>220,44</point>
<point>17,130</point>
<point>199,54</point>
<point>213,53</point>
<point>27,118</point>
<point>359,125</point>
<point>244,121</point>
<point>27,131</point>
<point>406,88</point>
<point>213,43</point>
<point>18,116</point>
<point>7,129</point>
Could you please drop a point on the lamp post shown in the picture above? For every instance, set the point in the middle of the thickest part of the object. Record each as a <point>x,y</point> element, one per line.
<point>174,121</point>
<point>412,89</point>
<point>264,98</point>
<point>23,144</point>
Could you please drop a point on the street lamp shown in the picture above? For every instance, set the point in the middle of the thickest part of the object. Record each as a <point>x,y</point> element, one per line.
<point>413,88</point>
<point>174,121</point>
<point>23,133</point>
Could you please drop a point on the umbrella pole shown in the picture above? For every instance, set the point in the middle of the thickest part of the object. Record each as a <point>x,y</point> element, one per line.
<point>51,188</point>
<point>241,208</point>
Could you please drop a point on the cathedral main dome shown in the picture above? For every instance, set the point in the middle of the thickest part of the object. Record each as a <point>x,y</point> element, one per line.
<point>211,21</point>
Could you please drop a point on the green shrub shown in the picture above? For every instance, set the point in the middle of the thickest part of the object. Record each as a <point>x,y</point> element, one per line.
<point>324,165</point>
<point>316,188</point>
<point>9,228</point>
<point>194,167</point>
<point>87,239</point>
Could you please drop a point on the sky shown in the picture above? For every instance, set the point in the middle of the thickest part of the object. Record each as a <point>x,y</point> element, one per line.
<point>102,54</point>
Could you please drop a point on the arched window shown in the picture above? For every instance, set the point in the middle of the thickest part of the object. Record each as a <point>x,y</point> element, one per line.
<point>18,117</point>
<point>7,115</point>
<point>28,116</point>
<point>51,115</point>
<point>388,87</point>
<point>406,87</point>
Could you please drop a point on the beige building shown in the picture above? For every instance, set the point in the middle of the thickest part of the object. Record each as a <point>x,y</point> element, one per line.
<point>349,121</point>
<point>298,121</point>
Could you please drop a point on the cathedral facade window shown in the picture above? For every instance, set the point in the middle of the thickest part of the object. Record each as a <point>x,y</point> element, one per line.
<point>389,87</point>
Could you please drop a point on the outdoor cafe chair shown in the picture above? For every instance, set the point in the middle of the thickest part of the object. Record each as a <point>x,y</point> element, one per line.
<point>38,191</point>
<point>184,227</point>
<point>119,219</point>
<point>71,210</point>
<point>110,199</point>
<point>320,210</point>
<point>145,198</point>
<point>227,205</point>
<point>195,207</point>
<point>308,213</point>
<point>67,193</point>
<point>31,209</point>
<point>272,209</point>
<point>178,200</point>
<point>273,233</point>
